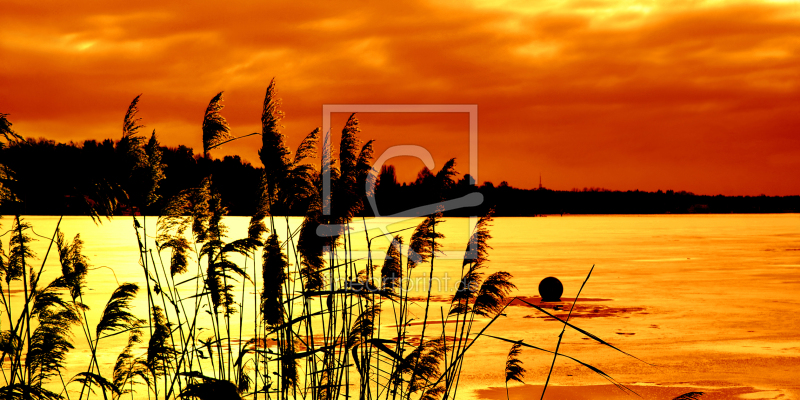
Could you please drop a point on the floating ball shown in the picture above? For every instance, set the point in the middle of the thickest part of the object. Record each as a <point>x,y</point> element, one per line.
<point>551,289</point>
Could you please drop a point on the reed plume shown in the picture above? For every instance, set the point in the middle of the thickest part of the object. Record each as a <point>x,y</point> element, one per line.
<point>299,189</point>
<point>310,245</point>
<point>89,379</point>
<point>349,146</point>
<point>514,370</point>
<point>307,148</point>
<point>117,315</point>
<point>274,274</point>
<point>274,153</point>
<point>19,251</point>
<point>99,197</point>
<point>423,241</point>
<point>445,178</point>
<point>175,219</point>
<point>6,180</point>
<point>422,364</point>
<point>130,124</point>
<point>219,280</point>
<point>349,181</point>
<point>198,209</point>
<point>160,355</point>
<point>142,170</point>
<point>73,264</point>
<point>328,164</point>
<point>208,228</point>
<point>51,340</point>
<point>180,254</point>
<point>5,130</point>
<point>433,393</point>
<point>256,228</point>
<point>22,391</point>
<point>131,145</point>
<point>478,246</point>
<point>201,210</point>
<point>215,127</point>
<point>392,271</point>
<point>363,164</point>
<point>155,170</point>
<point>127,367</point>
<point>493,293</point>
<point>475,258</point>
<point>361,330</point>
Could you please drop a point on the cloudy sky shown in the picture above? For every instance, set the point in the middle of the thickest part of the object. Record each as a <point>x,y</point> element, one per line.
<point>702,96</point>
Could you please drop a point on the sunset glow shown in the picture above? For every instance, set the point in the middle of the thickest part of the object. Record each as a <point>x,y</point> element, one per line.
<point>700,96</point>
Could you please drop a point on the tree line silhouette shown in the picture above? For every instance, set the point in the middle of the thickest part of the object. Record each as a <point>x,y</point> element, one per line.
<point>54,178</point>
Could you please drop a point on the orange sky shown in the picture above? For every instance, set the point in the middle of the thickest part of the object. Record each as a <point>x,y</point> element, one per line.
<point>683,95</point>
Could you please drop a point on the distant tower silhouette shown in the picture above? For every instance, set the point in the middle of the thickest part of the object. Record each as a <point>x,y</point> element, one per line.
<point>540,181</point>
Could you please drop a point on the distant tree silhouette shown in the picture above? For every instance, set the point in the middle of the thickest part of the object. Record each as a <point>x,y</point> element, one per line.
<point>387,190</point>
<point>42,177</point>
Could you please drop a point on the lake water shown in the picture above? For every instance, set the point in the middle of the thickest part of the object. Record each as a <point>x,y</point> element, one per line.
<point>710,300</point>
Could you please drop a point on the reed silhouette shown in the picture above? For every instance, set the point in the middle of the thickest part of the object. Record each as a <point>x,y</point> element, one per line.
<point>316,321</point>
<point>514,369</point>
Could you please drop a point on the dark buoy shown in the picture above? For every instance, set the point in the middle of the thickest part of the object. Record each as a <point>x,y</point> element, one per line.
<point>550,289</point>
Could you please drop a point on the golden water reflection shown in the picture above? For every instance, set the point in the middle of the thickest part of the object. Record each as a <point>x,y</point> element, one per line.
<point>709,299</point>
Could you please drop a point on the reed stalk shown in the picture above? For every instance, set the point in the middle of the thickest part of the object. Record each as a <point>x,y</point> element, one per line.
<point>310,339</point>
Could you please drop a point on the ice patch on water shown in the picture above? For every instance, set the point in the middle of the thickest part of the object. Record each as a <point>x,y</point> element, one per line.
<point>766,394</point>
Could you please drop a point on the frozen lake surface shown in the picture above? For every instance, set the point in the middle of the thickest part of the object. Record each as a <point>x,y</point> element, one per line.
<point>711,300</point>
